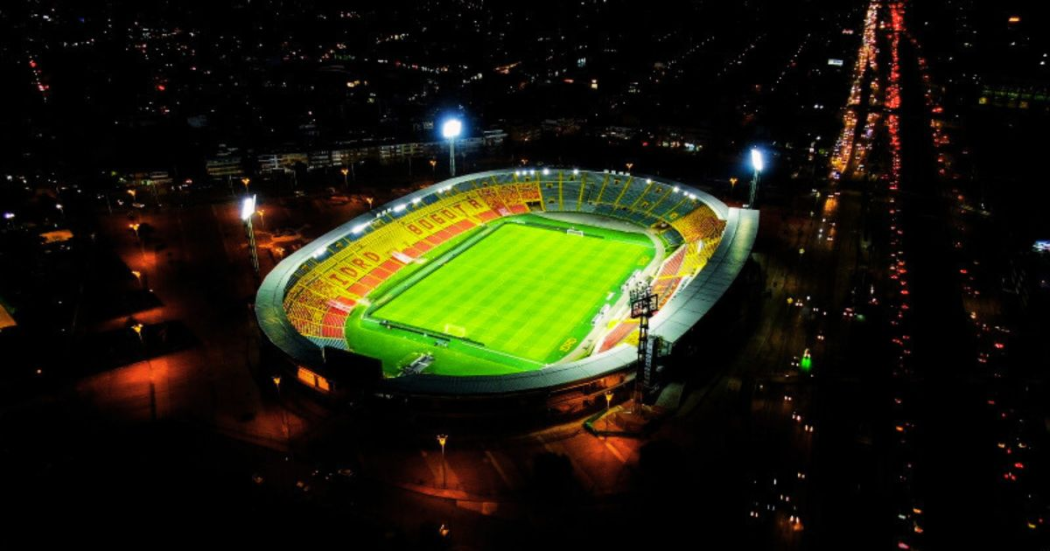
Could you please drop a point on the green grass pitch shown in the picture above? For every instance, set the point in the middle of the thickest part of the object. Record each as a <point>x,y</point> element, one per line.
<point>523,291</point>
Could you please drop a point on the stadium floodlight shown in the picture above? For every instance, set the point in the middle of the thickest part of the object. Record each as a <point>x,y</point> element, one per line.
<point>359,228</point>
<point>758,163</point>
<point>451,130</point>
<point>756,160</point>
<point>400,208</point>
<point>248,208</point>
<point>575,172</point>
<point>319,252</point>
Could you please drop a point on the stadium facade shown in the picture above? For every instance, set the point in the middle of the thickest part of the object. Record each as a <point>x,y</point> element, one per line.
<point>304,304</point>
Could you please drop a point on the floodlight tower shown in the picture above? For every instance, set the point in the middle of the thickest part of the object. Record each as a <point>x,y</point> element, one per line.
<point>450,131</point>
<point>757,163</point>
<point>247,211</point>
<point>643,305</point>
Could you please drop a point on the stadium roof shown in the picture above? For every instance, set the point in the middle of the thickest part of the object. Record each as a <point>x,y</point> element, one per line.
<point>691,302</point>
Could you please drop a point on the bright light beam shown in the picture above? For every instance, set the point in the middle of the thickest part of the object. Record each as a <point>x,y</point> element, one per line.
<point>452,128</point>
<point>248,208</point>
<point>756,160</point>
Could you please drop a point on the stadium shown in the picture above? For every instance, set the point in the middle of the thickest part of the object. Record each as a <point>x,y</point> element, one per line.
<point>503,283</point>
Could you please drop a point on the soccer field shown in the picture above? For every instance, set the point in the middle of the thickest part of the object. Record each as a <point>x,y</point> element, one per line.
<point>522,290</point>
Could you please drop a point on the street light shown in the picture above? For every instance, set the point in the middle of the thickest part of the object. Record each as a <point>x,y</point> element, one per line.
<point>246,180</point>
<point>442,438</point>
<point>629,166</point>
<point>608,402</point>
<point>450,131</point>
<point>247,210</point>
<point>758,164</point>
<point>137,328</point>
<point>345,171</point>
<point>284,414</point>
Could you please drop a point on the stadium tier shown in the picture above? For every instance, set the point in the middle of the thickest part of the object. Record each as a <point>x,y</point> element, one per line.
<point>461,272</point>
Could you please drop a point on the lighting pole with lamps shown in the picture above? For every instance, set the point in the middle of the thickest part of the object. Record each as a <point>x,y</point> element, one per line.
<point>450,131</point>
<point>247,210</point>
<point>137,328</point>
<point>442,439</point>
<point>142,246</point>
<point>758,164</point>
<point>345,171</point>
<point>608,402</point>
<point>284,414</point>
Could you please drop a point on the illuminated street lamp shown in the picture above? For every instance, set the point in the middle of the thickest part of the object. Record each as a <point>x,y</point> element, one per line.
<point>608,402</point>
<point>758,164</point>
<point>442,438</point>
<point>284,414</point>
<point>345,171</point>
<point>247,210</point>
<point>246,180</point>
<point>433,165</point>
<point>137,328</point>
<point>142,246</point>
<point>369,200</point>
<point>629,166</point>
<point>450,131</point>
